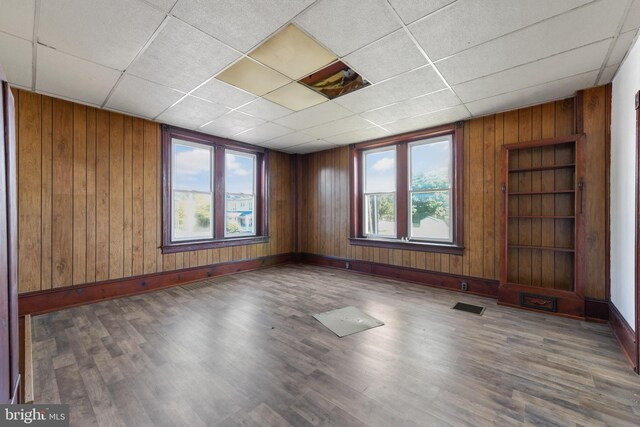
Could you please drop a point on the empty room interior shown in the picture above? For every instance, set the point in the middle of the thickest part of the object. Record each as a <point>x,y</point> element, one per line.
<point>319,213</point>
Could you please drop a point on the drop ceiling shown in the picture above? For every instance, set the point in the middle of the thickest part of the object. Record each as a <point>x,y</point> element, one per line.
<point>428,62</point>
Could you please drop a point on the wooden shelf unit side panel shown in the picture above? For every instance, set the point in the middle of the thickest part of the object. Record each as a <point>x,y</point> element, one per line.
<point>548,171</point>
<point>580,199</point>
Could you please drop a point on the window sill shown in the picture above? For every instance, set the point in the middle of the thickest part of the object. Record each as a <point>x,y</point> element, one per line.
<point>411,246</point>
<point>210,244</point>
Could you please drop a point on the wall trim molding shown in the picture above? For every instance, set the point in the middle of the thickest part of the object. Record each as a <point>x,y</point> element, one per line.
<point>625,336</point>
<point>39,302</point>
<point>476,286</point>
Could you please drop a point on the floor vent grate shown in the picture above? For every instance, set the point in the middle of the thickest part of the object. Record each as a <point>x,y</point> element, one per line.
<point>469,308</point>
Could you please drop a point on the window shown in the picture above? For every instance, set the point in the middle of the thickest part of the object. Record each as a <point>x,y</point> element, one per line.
<point>239,183</point>
<point>214,192</point>
<point>380,192</point>
<point>407,191</point>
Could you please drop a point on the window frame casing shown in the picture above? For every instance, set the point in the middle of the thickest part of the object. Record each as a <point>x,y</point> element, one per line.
<point>220,145</point>
<point>402,143</point>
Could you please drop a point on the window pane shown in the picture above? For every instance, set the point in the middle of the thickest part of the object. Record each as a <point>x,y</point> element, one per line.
<point>380,214</point>
<point>380,171</point>
<point>191,166</point>
<point>239,220</point>
<point>239,173</point>
<point>240,178</point>
<point>431,165</point>
<point>191,215</point>
<point>431,215</point>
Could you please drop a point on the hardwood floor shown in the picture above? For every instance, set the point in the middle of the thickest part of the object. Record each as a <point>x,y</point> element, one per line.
<point>244,350</point>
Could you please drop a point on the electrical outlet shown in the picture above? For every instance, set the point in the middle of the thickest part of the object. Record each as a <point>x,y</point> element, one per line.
<point>464,286</point>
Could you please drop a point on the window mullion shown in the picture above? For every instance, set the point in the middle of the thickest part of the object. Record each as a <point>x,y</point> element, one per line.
<point>402,188</point>
<point>219,193</point>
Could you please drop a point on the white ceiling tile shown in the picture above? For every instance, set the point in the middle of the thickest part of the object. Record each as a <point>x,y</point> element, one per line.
<point>232,123</point>
<point>623,43</point>
<point>314,116</point>
<point>358,136</point>
<point>288,140</point>
<point>223,93</point>
<point>344,26</point>
<point>399,52</point>
<point>165,5</point>
<point>607,74</point>
<point>17,17</point>
<point>310,147</point>
<point>414,83</point>
<point>336,127</point>
<point>192,113</point>
<point>555,67</point>
<point>474,22</point>
<point>141,97</point>
<point>262,133</point>
<point>413,107</point>
<point>555,35</point>
<point>410,10</point>
<point>16,59</point>
<point>239,24</point>
<point>535,95</point>
<point>425,121</point>
<point>110,33</point>
<point>73,78</point>
<point>633,17</point>
<point>266,110</point>
<point>182,57</point>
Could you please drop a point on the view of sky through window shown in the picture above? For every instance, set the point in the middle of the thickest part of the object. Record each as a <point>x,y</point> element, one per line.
<point>431,160</point>
<point>380,171</point>
<point>192,168</point>
<point>239,173</point>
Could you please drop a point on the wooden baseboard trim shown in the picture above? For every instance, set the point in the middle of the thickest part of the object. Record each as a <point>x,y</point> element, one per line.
<point>56,299</point>
<point>476,286</point>
<point>624,334</point>
<point>596,310</point>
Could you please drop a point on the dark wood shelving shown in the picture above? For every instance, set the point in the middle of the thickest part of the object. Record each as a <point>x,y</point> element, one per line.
<point>544,248</point>
<point>537,193</point>
<point>546,272</point>
<point>543,168</point>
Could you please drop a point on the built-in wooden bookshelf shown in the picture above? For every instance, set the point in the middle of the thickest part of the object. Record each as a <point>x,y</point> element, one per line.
<point>543,198</point>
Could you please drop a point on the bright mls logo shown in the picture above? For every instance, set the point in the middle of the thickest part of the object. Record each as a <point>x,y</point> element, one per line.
<point>34,415</point>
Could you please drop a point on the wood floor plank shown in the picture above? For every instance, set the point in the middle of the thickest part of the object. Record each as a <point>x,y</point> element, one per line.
<point>245,350</point>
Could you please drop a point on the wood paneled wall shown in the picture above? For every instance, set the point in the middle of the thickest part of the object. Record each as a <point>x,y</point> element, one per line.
<point>324,206</point>
<point>89,198</point>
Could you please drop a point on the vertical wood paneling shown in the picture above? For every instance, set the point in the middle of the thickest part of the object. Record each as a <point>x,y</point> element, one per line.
<point>476,205</point>
<point>29,160</point>
<point>137,196</point>
<point>79,194</point>
<point>62,193</point>
<point>127,183</point>
<point>47,195</point>
<point>91,195</point>
<point>116,199</point>
<point>488,184</point>
<point>90,198</point>
<point>121,197</point>
<point>149,198</point>
<point>102,195</point>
